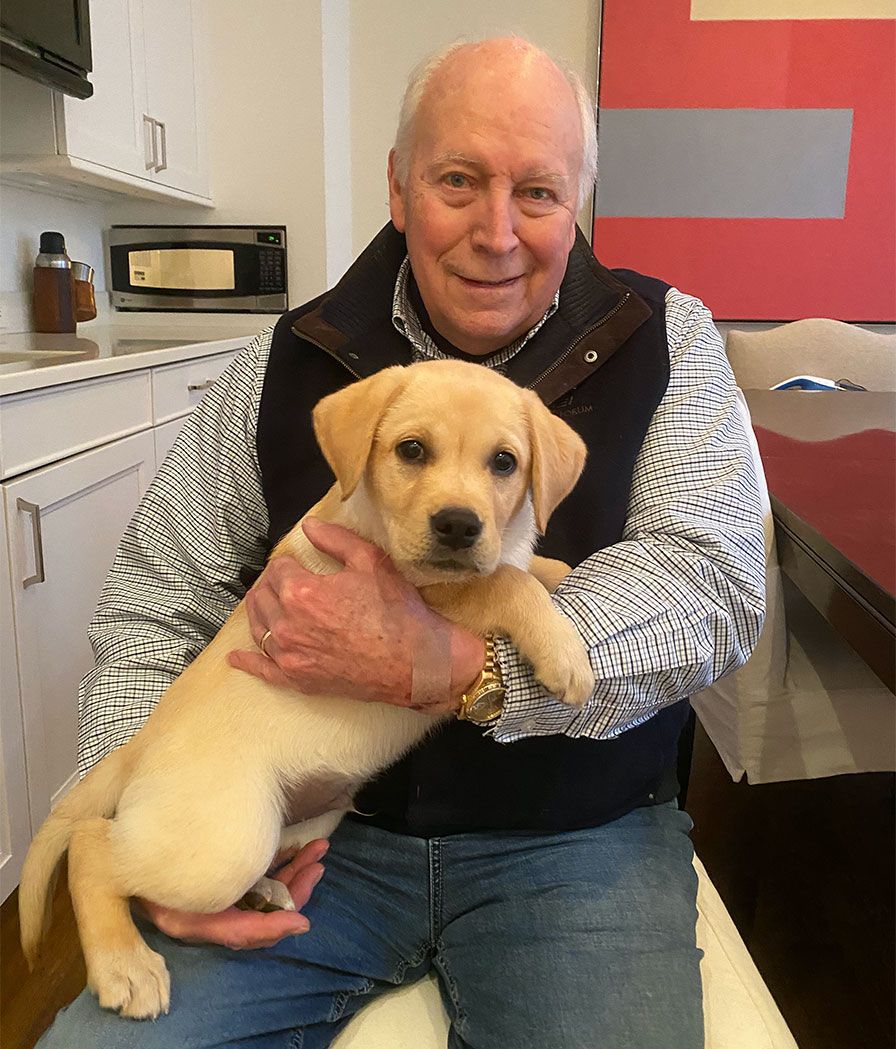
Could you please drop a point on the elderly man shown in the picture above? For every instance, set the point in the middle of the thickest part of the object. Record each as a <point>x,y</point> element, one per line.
<point>534,857</point>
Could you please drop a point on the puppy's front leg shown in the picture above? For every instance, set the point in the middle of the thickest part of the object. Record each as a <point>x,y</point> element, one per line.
<point>516,604</point>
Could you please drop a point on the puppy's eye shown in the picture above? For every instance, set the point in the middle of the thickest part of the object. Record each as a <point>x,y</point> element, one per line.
<point>411,451</point>
<point>503,463</point>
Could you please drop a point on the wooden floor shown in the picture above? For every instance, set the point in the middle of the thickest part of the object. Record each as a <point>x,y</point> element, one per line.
<point>806,871</point>
<point>29,1001</point>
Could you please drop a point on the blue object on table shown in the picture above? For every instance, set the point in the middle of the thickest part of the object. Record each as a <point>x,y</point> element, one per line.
<point>813,382</point>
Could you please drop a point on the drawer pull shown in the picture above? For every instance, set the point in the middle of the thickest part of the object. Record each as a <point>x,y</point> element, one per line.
<point>196,387</point>
<point>34,510</point>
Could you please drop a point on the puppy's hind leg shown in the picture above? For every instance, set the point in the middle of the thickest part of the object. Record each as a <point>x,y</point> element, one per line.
<point>122,971</point>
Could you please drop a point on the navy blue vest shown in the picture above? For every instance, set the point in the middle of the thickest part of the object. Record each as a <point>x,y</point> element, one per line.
<point>602,363</point>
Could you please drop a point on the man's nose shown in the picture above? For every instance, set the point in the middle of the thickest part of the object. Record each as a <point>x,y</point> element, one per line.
<point>496,223</point>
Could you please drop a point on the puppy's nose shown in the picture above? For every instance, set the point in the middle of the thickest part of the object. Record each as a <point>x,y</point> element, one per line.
<point>456,527</point>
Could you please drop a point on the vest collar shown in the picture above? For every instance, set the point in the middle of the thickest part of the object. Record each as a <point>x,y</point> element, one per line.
<point>597,314</point>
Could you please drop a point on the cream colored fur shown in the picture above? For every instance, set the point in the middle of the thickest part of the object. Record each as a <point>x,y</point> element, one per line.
<point>189,813</point>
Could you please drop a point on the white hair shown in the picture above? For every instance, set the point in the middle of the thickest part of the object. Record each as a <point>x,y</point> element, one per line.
<point>416,86</point>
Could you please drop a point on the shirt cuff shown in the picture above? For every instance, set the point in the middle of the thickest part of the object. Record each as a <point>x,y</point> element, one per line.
<point>529,709</point>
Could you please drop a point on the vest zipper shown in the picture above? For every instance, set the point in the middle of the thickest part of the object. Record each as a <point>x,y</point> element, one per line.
<point>581,338</point>
<point>327,350</point>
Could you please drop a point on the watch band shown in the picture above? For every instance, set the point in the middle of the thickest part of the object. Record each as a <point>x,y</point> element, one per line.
<point>483,702</point>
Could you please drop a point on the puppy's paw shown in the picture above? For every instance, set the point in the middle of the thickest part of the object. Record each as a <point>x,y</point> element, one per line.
<point>562,665</point>
<point>134,983</point>
<point>267,894</point>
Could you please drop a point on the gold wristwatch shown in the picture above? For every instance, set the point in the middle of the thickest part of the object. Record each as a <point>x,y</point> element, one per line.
<point>484,700</point>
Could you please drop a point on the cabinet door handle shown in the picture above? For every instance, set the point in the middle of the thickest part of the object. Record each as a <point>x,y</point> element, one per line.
<point>196,387</point>
<point>163,163</point>
<point>151,161</point>
<point>34,510</point>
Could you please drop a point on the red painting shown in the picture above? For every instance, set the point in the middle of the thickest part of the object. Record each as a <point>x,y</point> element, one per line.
<point>655,57</point>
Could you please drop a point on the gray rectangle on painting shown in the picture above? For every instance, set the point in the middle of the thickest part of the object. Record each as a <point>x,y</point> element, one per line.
<point>724,163</point>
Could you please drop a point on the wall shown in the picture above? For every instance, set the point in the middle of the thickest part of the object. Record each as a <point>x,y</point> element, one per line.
<point>23,216</point>
<point>387,40</point>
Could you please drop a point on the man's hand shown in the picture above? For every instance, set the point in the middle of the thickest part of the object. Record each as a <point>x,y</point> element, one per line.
<point>249,930</point>
<point>356,633</point>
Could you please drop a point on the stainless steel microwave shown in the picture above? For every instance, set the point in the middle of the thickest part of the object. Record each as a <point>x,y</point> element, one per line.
<point>208,269</point>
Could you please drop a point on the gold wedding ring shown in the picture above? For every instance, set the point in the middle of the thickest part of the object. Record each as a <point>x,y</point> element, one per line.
<point>263,642</point>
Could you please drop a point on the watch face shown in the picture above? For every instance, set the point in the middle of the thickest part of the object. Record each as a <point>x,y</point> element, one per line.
<point>487,705</point>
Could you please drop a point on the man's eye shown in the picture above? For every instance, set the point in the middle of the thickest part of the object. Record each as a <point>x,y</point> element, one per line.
<point>411,451</point>
<point>539,193</point>
<point>456,180</point>
<point>504,463</point>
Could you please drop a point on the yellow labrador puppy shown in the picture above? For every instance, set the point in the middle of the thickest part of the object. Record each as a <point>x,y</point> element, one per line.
<point>452,470</point>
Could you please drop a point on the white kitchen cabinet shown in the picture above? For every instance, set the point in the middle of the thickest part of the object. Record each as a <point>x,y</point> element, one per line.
<point>176,390</point>
<point>44,426</point>
<point>64,522</point>
<point>142,131</point>
<point>107,128</point>
<point>172,30</point>
<point>15,824</point>
<point>164,437</point>
<point>76,458</point>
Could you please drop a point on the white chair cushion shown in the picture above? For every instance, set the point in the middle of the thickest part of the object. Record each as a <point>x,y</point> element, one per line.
<point>739,1012</point>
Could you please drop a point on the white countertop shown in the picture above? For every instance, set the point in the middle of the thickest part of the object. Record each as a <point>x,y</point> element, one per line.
<point>32,360</point>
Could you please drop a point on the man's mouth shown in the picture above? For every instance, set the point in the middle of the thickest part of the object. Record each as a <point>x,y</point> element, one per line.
<point>473,282</point>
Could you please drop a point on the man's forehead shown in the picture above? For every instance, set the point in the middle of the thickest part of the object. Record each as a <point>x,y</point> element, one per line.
<point>472,106</point>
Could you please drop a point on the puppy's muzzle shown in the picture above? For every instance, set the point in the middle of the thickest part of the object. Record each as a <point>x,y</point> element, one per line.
<point>455,527</point>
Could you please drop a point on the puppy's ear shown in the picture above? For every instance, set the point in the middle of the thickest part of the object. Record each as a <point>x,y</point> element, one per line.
<point>345,423</point>
<point>558,457</point>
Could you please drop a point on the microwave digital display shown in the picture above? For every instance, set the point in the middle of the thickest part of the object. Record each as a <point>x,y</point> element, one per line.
<point>211,269</point>
<point>199,269</point>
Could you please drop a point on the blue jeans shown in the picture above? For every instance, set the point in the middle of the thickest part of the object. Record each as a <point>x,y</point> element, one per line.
<point>580,940</point>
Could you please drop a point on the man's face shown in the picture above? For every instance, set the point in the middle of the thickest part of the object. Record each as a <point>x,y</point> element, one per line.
<point>489,206</point>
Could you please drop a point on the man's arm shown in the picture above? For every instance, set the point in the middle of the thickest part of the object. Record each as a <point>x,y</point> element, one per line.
<point>175,578</point>
<point>679,601</point>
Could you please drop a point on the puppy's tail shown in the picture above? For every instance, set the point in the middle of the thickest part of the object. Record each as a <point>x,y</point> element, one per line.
<point>96,795</point>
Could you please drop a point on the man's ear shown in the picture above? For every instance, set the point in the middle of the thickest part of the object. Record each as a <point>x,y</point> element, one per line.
<point>396,196</point>
<point>345,423</point>
<point>558,457</point>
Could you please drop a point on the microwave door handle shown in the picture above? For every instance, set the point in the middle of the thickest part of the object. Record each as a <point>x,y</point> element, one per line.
<point>163,163</point>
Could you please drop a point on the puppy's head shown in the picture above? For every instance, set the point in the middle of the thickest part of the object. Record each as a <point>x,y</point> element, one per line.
<point>450,467</point>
